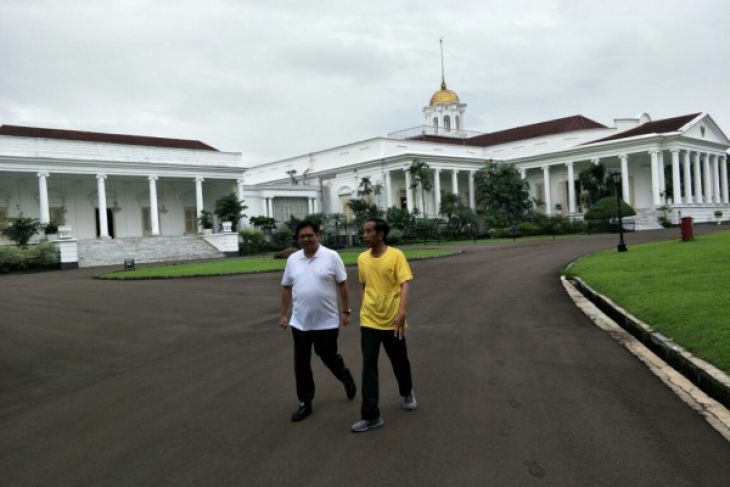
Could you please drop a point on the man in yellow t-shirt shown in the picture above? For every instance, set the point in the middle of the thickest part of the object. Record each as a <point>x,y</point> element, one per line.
<point>384,276</point>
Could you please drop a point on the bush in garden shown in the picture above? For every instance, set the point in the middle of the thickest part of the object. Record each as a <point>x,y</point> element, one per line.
<point>41,256</point>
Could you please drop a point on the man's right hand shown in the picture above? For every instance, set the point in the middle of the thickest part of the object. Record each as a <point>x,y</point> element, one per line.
<point>283,322</point>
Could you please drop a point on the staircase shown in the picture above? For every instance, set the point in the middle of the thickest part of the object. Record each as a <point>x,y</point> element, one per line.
<point>646,219</point>
<point>145,249</point>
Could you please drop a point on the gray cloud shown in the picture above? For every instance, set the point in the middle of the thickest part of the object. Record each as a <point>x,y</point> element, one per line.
<point>286,77</point>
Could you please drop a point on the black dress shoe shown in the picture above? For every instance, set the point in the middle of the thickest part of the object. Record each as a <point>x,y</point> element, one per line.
<point>350,387</point>
<point>304,410</point>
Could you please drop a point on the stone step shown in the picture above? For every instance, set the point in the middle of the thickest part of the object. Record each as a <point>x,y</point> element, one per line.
<point>145,250</point>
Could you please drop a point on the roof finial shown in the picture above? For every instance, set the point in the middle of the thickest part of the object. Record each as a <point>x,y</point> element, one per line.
<point>443,79</point>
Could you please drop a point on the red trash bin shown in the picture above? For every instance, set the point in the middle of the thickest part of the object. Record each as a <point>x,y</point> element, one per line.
<point>687,228</point>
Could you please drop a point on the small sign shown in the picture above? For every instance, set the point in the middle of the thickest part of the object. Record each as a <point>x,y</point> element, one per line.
<point>129,264</point>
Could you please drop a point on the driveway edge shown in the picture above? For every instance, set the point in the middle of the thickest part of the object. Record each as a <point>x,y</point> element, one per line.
<point>714,412</point>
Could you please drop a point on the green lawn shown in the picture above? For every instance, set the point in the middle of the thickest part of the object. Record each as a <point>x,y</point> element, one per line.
<point>681,289</point>
<point>245,265</point>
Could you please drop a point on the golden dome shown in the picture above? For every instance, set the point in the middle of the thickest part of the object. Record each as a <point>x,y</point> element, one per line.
<point>444,96</point>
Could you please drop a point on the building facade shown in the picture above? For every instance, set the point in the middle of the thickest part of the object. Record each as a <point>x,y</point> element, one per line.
<point>106,186</point>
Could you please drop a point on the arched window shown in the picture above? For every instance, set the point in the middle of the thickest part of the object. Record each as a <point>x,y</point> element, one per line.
<point>447,123</point>
<point>458,123</point>
<point>436,124</point>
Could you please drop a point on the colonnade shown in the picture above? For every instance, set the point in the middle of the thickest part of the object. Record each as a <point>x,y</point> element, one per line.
<point>101,198</point>
<point>704,176</point>
<point>412,202</point>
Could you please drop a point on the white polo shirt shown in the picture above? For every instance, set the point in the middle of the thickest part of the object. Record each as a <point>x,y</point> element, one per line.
<point>314,288</point>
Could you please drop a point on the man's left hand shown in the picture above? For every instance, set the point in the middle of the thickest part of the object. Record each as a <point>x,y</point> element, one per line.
<point>400,326</point>
<point>344,319</point>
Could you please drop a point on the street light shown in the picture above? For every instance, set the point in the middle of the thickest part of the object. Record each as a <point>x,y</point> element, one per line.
<point>616,176</point>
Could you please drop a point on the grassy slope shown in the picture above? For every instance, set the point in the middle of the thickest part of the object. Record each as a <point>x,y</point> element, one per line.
<point>682,289</point>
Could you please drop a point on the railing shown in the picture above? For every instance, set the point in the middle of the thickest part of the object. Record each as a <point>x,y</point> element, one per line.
<point>420,131</point>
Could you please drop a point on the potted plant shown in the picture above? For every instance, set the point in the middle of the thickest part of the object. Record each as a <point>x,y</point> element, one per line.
<point>206,221</point>
<point>718,215</point>
<point>51,231</point>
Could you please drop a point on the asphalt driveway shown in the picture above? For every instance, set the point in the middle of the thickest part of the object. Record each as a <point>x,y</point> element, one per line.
<point>190,382</point>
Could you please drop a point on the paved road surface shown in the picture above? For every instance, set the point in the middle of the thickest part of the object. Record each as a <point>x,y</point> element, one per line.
<point>190,382</point>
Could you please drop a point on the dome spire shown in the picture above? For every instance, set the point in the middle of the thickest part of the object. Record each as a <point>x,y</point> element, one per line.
<point>443,78</point>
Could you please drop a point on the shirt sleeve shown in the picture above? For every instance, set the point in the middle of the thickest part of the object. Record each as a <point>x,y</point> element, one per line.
<point>340,271</point>
<point>402,269</point>
<point>287,280</point>
<point>360,270</point>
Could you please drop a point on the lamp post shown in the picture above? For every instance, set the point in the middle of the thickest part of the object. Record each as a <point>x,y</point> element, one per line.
<point>616,176</point>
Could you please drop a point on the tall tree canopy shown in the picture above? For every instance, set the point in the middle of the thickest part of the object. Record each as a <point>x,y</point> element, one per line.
<point>502,196</point>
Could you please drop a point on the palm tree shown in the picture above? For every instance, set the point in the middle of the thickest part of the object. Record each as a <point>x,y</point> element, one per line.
<point>421,175</point>
<point>365,189</point>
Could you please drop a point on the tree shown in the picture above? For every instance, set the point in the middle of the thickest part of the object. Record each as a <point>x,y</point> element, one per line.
<point>337,219</point>
<point>595,183</point>
<point>460,217</point>
<point>421,175</point>
<point>366,189</point>
<point>21,229</point>
<point>362,210</point>
<point>263,222</point>
<point>501,195</point>
<point>230,209</point>
<point>401,219</point>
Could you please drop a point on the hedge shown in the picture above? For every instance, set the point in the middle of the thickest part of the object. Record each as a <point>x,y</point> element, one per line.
<point>40,256</point>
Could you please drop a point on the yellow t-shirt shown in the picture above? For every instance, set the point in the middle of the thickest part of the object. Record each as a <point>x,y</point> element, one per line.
<point>382,277</point>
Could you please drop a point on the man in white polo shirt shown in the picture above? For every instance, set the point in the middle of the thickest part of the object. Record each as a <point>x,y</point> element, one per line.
<point>312,279</point>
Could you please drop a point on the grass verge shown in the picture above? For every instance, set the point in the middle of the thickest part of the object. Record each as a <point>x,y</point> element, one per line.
<point>245,265</point>
<point>681,289</point>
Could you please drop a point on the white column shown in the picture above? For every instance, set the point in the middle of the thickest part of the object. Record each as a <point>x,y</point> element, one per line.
<point>625,189</point>
<point>716,180</point>
<point>472,196</point>
<point>546,180</point>
<point>687,179</point>
<point>707,178</point>
<point>409,192</point>
<point>388,189</point>
<point>45,216</point>
<point>523,172</point>
<point>199,199</point>
<point>270,207</point>
<point>421,201</point>
<point>571,188</point>
<point>662,181</point>
<point>455,182</point>
<point>437,191</point>
<point>723,176</point>
<point>676,187</point>
<point>101,192</point>
<point>154,215</point>
<point>655,178</point>
<point>310,206</point>
<point>239,195</point>
<point>698,178</point>
<point>596,161</point>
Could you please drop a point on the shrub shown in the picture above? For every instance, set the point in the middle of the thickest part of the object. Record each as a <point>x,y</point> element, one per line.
<point>282,238</point>
<point>50,228</point>
<point>41,256</point>
<point>527,228</point>
<point>21,229</point>
<point>607,209</point>
<point>252,242</point>
<point>395,236</point>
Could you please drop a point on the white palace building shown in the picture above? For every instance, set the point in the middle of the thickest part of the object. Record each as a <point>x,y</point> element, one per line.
<point>134,196</point>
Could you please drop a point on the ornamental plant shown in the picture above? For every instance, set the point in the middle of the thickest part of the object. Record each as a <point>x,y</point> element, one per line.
<point>21,229</point>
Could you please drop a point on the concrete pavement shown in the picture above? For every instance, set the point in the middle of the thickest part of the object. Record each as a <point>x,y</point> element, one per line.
<point>190,382</point>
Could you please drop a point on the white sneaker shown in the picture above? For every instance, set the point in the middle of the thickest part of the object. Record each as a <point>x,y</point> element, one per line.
<point>409,402</point>
<point>367,425</point>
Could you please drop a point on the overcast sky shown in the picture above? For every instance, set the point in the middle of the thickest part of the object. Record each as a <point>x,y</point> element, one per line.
<point>280,78</point>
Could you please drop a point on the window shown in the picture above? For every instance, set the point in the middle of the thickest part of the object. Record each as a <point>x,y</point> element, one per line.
<point>436,124</point>
<point>447,123</point>
<point>3,217</point>
<point>57,215</point>
<point>458,123</point>
<point>344,199</point>
<point>191,219</point>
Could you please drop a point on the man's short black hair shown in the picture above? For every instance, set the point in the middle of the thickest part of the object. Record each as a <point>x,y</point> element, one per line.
<point>305,224</point>
<point>381,226</point>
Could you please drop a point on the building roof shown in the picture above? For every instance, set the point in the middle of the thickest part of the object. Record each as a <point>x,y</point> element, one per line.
<point>551,127</point>
<point>102,137</point>
<point>444,95</point>
<point>656,127</point>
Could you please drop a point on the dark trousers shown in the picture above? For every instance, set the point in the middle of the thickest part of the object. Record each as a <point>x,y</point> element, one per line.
<point>370,340</point>
<point>325,345</point>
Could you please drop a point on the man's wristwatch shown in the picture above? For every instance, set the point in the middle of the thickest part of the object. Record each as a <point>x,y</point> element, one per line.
<point>347,311</point>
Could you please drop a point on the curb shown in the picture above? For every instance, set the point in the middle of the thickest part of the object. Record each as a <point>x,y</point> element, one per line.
<point>660,355</point>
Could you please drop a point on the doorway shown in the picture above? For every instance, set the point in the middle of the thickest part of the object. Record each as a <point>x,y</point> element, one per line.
<point>109,219</point>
